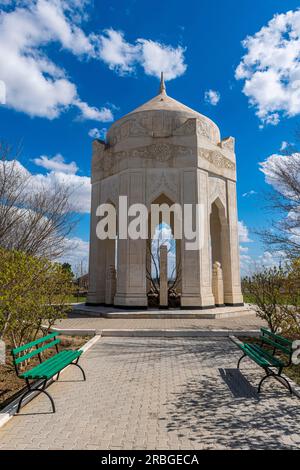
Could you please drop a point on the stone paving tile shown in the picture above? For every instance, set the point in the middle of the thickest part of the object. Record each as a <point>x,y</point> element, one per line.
<point>76,321</point>
<point>158,393</point>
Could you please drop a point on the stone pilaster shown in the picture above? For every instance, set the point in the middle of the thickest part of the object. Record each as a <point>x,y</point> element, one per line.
<point>97,258</point>
<point>232,279</point>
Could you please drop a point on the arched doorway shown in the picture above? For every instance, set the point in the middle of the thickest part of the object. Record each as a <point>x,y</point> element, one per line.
<point>219,247</point>
<point>163,234</point>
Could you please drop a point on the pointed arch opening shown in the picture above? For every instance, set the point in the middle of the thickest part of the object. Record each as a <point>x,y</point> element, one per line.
<point>163,234</point>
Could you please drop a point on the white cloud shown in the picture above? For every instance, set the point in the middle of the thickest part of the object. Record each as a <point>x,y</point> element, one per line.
<point>249,193</point>
<point>271,68</point>
<point>36,85</point>
<point>88,112</point>
<point>116,52</point>
<point>246,264</point>
<point>212,97</point>
<point>284,145</point>
<point>79,186</point>
<point>269,259</point>
<point>155,57</point>
<point>98,133</point>
<point>270,166</point>
<point>56,163</point>
<point>77,254</point>
<point>2,92</point>
<point>243,232</point>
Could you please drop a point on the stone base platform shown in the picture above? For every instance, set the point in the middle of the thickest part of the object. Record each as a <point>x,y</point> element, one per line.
<point>112,312</point>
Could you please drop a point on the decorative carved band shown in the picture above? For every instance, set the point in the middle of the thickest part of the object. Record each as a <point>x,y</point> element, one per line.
<point>217,159</point>
<point>161,151</point>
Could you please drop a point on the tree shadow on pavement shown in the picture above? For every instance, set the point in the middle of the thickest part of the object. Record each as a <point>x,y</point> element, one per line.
<point>214,413</point>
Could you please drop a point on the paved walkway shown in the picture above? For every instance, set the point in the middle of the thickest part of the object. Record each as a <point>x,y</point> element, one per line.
<point>159,393</point>
<point>77,321</point>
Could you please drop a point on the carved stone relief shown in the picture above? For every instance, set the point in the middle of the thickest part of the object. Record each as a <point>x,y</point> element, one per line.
<point>217,159</point>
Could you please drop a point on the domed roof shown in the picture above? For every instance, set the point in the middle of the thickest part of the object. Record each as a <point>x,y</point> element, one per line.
<point>164,102</point>
<point>178,112</point>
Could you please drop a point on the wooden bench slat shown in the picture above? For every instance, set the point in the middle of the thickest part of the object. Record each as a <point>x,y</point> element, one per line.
<point>276,345</point>
<point>52,366</point>
<point>20,359</point>
<point>280,338</point>
<point>273,361</point>
<point>30,345</point>
<point>57,358</point>
<point>255,356</point>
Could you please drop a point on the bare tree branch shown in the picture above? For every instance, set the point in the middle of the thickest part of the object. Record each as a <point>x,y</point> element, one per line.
<point>33,219</point>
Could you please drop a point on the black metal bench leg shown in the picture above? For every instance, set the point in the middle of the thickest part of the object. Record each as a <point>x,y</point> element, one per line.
<point>50,398</point>
<point>22,398</point>
<point>279,378</point>
<point>76,364</point>
<point>240,359</point>
<point>38,390</point>
<point>261,382</point>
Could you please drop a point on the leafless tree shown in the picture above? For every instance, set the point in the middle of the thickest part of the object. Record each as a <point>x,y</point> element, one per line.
<point>33,219</point>
<point>284,202</point>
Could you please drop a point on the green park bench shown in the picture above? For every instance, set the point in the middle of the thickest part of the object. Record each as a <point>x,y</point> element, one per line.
<point>266,357</point>
<point>46,369</point>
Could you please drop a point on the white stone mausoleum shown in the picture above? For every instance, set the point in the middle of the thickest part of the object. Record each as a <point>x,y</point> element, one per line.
<point>165,152</point>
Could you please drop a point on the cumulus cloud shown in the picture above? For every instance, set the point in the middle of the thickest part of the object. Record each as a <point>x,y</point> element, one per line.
<point>77,254</point>
<point>284,145</point>
<point>38,86</point>
<point>269,259</point>
<point>79,187</point>
<point>59,174</point>
<point>2,92</point>
<point>116,52</point>
<point>98,133</point>
<point>243,232</point>
<point>212,97</point>
<point>246,264</point>
<point>249,193</point>
<point>90,112</point>
<point>271,68</point>
<point>35,84</point>
<point>154,57</point>
<point>270,166</point>
<point>56,163</point>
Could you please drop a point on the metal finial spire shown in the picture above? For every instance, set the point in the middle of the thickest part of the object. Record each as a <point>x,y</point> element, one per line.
<point>162,86</point>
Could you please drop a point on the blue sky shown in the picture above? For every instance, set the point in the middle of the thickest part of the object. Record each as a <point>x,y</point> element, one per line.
<point>202,42</point>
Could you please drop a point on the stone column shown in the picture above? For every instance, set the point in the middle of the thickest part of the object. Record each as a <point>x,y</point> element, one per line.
<point>232,280</point>
<point>217,284</point>
<point>163,276</point>
<point>131,269</point>
<point>196,270</point>
<point>97,257</point>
